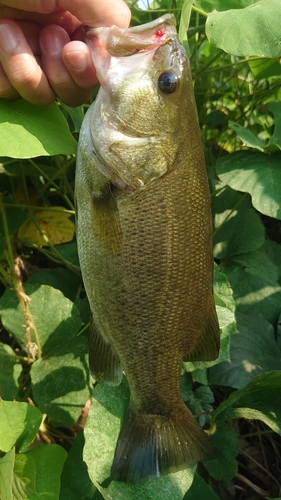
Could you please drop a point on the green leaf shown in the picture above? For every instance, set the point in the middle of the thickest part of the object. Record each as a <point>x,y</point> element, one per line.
<point>224,466</point>
<point>253,350</point>
<point>10,370</point>
<point>260,399</point>
<point>184,23</point>
<point>15,217</point>
<point>200,490</point>
<point>37,473</point>
<point>198,401</point>
<point>19,424</point>
<point>101,433</point>
<point>62,279</point>
<point>257,174</point>
<point>247,137</point>
<point>60,377</point>
<point>251,31</point>
<point>209,5</point>
<point>254,279</point>
<point>75,481</point>
<point>27,131</point>
<point>265,68</point>
<point>24,478</point>
<point>6,475</point>
<point>237,226</point>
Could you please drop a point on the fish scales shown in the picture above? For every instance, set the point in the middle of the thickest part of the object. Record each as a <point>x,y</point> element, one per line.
<point>144,242</point>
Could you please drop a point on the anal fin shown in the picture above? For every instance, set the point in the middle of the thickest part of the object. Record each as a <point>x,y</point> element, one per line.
<point>208,343</point>
<point>104,362</point>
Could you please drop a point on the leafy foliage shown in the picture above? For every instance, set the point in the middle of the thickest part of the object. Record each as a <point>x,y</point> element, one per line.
<point>234,48</point>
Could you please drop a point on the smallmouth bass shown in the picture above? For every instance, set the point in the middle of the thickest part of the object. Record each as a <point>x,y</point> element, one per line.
<point>144,242</point>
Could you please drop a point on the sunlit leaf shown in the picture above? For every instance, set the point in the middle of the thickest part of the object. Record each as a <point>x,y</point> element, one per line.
<point>6,475</point>
<point>49,226</point>
<point>19,423</point>
<point>257,174</point>
<point>27,131</point>
<point>253,350</point>
<point>252,31</point>
<point>260,399</point>
<point>10,370</point>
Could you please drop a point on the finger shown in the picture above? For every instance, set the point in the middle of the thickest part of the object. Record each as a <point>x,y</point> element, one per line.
<point>52,41</point>
<point>77,58</point>
<point>98,13</point>
<point>6,90</point>
<point>20,65</point>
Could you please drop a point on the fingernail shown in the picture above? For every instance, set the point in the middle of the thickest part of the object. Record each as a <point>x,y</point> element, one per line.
<point>52,43</point>
<point>9,38</point>
<point>77,60</point>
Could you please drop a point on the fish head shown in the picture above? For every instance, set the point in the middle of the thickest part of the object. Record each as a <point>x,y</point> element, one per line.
<point>138,116</point>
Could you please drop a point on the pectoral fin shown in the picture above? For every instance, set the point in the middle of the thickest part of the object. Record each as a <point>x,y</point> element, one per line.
<point>104,216</point>
<point>208,344</point>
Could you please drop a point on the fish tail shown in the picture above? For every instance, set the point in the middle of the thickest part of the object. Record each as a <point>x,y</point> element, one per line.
<point>152,445</point>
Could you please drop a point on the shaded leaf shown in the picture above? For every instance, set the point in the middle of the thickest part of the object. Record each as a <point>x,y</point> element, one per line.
<point>237,226</point>
<point>6,475</point>
<point>248,137</point>
<point>38,130</point>
<point>224,466</point>
<point>75,481</point>
<point>257,174</point>
<point>101,432</point>
<point>200,490</point>
<point>37,473</point>
<point>19,424</point>
<point>10,370</point>
<point>209,5</point>
<point>254,281</point>
<point>253,350</point>
<point>60,377</point>
<point>260,399</point>
<point>251,31</point>
<point>265,68</point>
<point>55,228</point>
<point>15,217</point>
<point>62,279</point>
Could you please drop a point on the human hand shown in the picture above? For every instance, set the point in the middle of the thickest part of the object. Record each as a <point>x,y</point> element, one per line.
<point>42,53</point>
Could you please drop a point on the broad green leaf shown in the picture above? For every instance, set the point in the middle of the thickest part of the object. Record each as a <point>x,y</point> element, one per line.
<point>53,315</point>
<point>19,424</point>
<point>200,490</point>
<point>60,375</point>
<point>37,473</point>
<point>253,350</point>
<point>24,477</point>
<point>254,280</point>
<point>222,290</point>
<point>14,216</point>
<point>6,475</point>
<point>60,379</point>
<point>265,68</point>
<point>76,115</point>
<point>184,23</point>
<point>55,228</point>
<point>247,137</point>
<point>27,131</point>
<point>75,481</point>
<point>252,31</point>
<point>62,279</point>
<point>209,5</point>
<point>199,401</point>
<point>260,399</point>
<point>224,466</point>
<point>101,433</point>
<point>257,174</point>
<point>237,226</point>
<point>10,370</point>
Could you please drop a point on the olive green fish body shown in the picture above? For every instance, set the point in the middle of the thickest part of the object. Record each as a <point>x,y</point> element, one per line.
<point>144,240</point>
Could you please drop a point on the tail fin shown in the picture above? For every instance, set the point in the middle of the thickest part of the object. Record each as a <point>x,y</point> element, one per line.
<point>152,445</point>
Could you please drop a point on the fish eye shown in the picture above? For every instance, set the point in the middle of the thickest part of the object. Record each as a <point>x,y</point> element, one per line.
<point>168,82</point>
